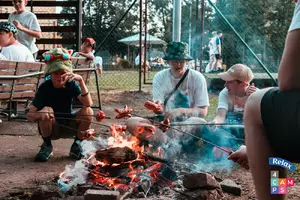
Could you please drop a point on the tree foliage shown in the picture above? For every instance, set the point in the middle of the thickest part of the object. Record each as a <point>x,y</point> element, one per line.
<point>263,25</point>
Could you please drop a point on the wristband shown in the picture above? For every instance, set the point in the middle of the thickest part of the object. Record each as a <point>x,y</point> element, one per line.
<point>84,95</point>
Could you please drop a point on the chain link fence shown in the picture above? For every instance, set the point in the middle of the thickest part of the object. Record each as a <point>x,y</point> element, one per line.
<point>253,33</point>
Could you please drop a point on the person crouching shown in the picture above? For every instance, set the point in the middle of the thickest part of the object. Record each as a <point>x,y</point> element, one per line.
<point>52,104</point>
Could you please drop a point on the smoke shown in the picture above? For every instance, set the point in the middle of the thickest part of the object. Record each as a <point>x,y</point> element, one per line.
<point>90,146</point>
<point>73,176</point>
<point>181,146</point>
<point>78,174</point>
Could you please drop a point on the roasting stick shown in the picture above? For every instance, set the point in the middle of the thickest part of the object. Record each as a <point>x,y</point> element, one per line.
<point>199,138</point>
<point>206,124</point>
<point>58,124</point>
<point>173,124</point>
<point>73,119</point>
<point>60,113</point>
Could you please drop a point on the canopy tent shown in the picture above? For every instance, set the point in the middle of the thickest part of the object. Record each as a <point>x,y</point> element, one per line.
<point>135,40</point>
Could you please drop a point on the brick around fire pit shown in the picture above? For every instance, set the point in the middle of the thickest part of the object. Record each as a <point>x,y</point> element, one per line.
<point>200,181</point>
<point>101,194</point>
<point>230,186</point>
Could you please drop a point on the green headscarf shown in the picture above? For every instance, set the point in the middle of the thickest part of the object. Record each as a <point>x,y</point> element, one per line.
<point>57,59</point>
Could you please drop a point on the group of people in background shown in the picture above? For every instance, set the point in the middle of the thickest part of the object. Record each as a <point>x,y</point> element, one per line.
<point>215,53</point>
<point>271,124</point>
<point>19,34</point>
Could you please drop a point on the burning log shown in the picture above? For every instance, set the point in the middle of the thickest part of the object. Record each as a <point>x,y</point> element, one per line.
<point>140,128</point>
<point>101,174</point>
<point>116,155</point>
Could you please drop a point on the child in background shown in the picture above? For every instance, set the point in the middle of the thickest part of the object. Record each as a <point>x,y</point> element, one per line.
<point>86,49</point>
<point>27,24</point>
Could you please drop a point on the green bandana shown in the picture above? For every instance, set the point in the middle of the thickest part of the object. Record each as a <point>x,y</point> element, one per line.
<point>57,59</point>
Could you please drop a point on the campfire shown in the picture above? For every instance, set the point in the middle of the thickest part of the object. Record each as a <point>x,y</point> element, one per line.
<point>128,163</point>
<point>124,162</point>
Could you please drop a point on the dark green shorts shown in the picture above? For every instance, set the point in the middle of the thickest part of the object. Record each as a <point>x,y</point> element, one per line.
<point>280,112</point>
<point>63,128</point>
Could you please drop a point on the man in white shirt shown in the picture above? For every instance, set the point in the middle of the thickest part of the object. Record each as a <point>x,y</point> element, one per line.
<point>27,24</point>
<point>191,97</point>
<point>12,49</point>
<point>189,103</point>
<point>2,57</point>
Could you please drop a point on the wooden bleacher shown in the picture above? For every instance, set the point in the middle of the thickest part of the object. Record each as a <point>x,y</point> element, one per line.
<point>19,81</point>
<point>261,80</point>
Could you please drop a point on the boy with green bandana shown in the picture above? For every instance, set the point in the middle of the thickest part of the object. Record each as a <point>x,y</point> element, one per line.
<point>53,103</point>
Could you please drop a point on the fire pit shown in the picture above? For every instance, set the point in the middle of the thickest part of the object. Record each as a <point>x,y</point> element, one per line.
<point>122,163</point>
<point>128,163</point>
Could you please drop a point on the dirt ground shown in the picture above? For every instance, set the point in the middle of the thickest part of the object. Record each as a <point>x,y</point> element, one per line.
<point>20,142</point>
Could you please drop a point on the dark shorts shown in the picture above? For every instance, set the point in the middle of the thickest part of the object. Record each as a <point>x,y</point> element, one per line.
<point>280,112</point>
<point>218,57</point>
<point>63,128</point>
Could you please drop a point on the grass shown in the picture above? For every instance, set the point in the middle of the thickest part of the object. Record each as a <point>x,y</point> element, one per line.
<point>213,101</point>
<point>122,80</point>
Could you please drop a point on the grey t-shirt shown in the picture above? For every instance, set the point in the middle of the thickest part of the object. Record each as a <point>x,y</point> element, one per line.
<point>29,21</point>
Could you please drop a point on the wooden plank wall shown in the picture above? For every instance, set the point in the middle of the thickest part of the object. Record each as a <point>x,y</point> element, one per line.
<point>74,29</point>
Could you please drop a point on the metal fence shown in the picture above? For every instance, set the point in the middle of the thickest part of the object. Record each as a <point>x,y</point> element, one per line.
<point>253,33</point>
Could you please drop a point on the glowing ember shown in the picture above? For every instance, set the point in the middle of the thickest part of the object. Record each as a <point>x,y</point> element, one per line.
<point>122,164</point>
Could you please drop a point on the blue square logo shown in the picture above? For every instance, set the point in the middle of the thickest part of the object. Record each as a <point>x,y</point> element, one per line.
<point>274,190</point>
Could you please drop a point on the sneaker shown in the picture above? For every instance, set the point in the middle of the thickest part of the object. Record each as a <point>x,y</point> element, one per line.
<point>44,154</point>
<point>76,150</point>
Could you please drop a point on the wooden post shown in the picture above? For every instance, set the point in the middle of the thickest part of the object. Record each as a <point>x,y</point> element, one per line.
<point>140,55</point>
<point>79,30</point>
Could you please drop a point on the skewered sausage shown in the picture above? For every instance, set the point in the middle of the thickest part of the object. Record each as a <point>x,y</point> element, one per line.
<point>165,124</point>
<point>140,128</point>
<point>155,107</point>
<point>123,113</point>
<point>100,116</point>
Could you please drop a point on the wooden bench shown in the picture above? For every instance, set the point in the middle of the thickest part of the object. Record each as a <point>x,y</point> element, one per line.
<point>19,81</point>
<point>85,68</point>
